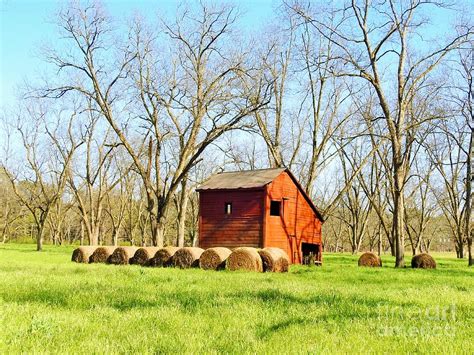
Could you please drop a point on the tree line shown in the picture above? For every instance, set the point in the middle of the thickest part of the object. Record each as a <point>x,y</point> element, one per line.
<point>359,100</point>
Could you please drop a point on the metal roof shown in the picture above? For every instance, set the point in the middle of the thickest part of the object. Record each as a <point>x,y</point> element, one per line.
<point>241,179</point>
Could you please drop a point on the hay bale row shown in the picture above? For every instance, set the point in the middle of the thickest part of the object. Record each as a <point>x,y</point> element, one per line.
<point>82,254</point>
<point>218,258</point>
<point>244,258</point>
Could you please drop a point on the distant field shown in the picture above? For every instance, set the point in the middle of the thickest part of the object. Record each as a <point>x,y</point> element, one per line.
<point>49,304</point>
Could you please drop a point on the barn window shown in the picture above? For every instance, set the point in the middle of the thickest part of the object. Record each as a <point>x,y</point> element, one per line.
<point>228,208</point>
<point>275,207</point>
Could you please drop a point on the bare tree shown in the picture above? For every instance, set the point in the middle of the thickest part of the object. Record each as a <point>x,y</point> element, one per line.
<point>39,182</point>
<point>326,95</point>
<point>306,100</point>
<point>464,100</point>
<point>116,204</point>
<point>420,208</point>
<point>333,236</point>
<point>366,34</point>
<point>276,56</point>
<point>11,213</point>
<point>449,159</point>
<point>93,175</point>
<point>375,186</point>
<point>206,92</point>
<point>355,205</point>
<point>57,220</point>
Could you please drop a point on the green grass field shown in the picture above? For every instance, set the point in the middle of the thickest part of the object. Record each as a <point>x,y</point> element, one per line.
<point>49,304</point>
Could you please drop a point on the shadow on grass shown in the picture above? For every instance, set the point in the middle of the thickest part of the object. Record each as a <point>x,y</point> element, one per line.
<point>267,332</point>
<point>23,250</point>
<point>31,248</point>
<point>186,301</point>
<point>204,298</point>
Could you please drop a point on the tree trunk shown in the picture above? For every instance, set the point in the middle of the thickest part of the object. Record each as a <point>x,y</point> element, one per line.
<point>194,239</point>
<point>398,218</point>
<point>6,214</point>
<point>392,246</point>
<point>379,248</point>
<point>427,246</point>
<point>82,233</point>
<point>419,244</point>
<point>39,239</point>
<point>115,235</point>
<point>160,233</point>
<point>469,176</point>
<point>156,221</point>
<point>4,232</point>
<point>40,224</point>
<point>183,206</point>
<point>469,251</point>
<point>157,228</point>
<point>154,230</point>
<point>94,236</point>
<point>460,249</point>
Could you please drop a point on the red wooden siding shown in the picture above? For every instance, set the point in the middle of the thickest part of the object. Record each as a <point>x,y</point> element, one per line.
<point>251,224</point>
<point>243,227</point>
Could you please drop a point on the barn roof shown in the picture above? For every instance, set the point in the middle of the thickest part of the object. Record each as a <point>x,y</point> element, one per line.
<point>252,179</point>
<point>247,179</point>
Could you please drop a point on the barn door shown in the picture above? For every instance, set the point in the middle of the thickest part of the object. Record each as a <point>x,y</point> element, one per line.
<point>311,252</point>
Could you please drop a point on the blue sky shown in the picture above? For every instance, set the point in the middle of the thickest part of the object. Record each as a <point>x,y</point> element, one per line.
<point>26,24</point>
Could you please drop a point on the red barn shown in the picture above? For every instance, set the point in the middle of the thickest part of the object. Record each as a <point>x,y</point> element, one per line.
<point>259,208</point>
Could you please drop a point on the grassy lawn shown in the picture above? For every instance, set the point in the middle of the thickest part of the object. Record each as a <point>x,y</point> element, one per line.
<point>49,304</point>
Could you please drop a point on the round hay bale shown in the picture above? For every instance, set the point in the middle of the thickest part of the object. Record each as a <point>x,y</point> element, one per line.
<point>245,258</point>
<point>423,261</point>
<point>163,257</point>
<point>187,257</point>
<point>274,260</point>
<point>101,254</point>
<point>143,255</point>
<point>82,254</point>
<point>370,259</point>
<point>214,258</point>
<point>122,255</point>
